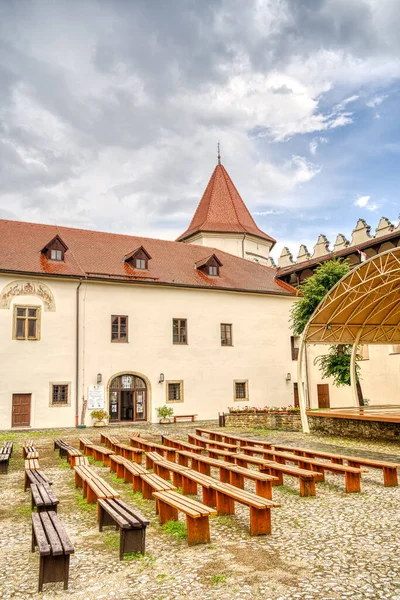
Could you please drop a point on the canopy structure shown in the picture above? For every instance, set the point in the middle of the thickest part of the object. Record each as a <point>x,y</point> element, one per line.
<point>362,308</point>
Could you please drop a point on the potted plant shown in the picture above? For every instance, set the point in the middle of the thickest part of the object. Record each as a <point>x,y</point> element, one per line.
<point>100,417</point>
<point>164,413</point>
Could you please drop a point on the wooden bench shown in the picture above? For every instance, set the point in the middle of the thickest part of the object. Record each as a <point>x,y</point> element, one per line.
<point>131,524</point>
<point>203,442</point>
<point>306,477</point>
<point>84,442</point>
<point>389,469</point>
<point>230,473</point>
<point>132,473</point>
<point>68,451</point>
<point>43,498</point>
<point>180,445</point>
<point>111,441</point>
<point>99,453</point>
<point>55,548</point>
<point>352,474</point>
<point>134,454</point>
<point>135,434</point>
<point>35,476</point>
<point>93,486</point>
<point>232,439</point>
<point>148,446</point>
<point>27,444</point>
<point>5,455</point>
<point>154,483</point>
<point>226,454</point>
<point>164,468</point>
<point>81,461</point>
<point>191,417</point>
<point>198,527</point>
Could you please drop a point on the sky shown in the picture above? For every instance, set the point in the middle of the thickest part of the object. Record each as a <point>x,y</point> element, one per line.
<point>111,110</point>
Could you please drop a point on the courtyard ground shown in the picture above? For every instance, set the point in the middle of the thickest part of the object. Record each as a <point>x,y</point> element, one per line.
<point>332,546</point>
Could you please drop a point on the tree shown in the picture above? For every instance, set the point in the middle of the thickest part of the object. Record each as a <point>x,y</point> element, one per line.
<point>336,363</point>
<point>314,289</point>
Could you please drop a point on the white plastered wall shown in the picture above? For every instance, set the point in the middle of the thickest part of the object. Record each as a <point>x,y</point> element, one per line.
<point>242,245</point>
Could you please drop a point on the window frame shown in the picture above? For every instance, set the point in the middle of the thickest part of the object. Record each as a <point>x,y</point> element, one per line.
<point>119,341</point>
<point>142,260</point>
<point>181,396</point>
<point>61,259</point>
<point>52,385</point>
<point>216,274</point>
<point>225,325</point>
<point>246,384</point>
<point>179,343</point>
<point>294,350</point>
<point>27,318</point>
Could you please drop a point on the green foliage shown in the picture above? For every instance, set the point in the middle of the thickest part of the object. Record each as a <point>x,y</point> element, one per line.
<point>99,415</point>
<point>218,579</point>
<point>164,412</point>
<point>313,291</point>
<point>175,528</point>
<point>336,364</point>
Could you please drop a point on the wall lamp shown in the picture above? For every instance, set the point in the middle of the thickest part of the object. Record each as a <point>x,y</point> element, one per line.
<point>99,378</point>
<point>161,379</point>
<point>288,377</point>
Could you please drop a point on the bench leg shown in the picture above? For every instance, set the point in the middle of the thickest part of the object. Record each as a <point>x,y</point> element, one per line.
<point>241,462</point>
<point>136,457</point>
<point>149,463</point>
<point>198,530</point>
<point>137,483</point>
<point>170,455</point>
<point>336,461</point>
<point>237,479</point>
<point>275,473</point>
<point>177,480</point>
<point>90,495</point>
<point>225,504</point>
<point>189,486</point>
<point>264,489</point>
<point>147,491</point>
<point>162,472</point>
<point>209,497</point>
<point>260,521</point>
<point>53,569</point>
<point>390,477</point>
<point>132,540</point>
<point>307,487</point>
<point>201,467</point>
<point>167,513</point>
<point>127,476</point>
<point>183,460</point>
<point>224,475</point>
<point>120,471</point>
<point>353,482</point>
<point>113,466</point>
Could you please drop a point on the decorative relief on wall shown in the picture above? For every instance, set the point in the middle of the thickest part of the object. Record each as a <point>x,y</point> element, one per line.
<point>27,288</point>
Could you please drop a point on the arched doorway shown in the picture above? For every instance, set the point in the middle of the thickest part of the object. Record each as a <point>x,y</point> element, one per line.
<point>128,398</point>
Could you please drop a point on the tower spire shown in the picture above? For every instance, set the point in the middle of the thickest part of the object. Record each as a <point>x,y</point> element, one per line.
<point>219,154</point>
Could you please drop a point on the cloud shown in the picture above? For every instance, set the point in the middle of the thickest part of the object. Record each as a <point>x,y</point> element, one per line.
<point>375,101</point>
<point>110,112</point>
<point>364,202</point>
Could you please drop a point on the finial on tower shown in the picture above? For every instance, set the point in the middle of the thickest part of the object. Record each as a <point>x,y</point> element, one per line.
<point>219,155</point>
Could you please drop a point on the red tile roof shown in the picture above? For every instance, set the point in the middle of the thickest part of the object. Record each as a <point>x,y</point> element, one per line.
<point>100,255</point>
<point>221,209</point>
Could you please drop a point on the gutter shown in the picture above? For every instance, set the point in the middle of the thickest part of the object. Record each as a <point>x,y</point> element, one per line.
<point>77,356</point>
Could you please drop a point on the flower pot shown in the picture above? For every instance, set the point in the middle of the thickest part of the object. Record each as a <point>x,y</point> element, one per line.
<point>99,424</point>
<point>165,420</point>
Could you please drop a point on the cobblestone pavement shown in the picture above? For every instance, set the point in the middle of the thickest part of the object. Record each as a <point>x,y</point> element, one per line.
<point>332,546</point>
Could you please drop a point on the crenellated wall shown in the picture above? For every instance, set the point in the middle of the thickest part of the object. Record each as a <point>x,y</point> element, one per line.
<point>360,234</point>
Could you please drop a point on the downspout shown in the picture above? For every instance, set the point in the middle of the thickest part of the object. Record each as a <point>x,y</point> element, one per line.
<point>244,237</point>
<point>77,356</point>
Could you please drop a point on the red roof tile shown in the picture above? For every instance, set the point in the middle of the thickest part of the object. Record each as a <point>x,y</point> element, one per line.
<point>222,209</point>
<point>100,255</point>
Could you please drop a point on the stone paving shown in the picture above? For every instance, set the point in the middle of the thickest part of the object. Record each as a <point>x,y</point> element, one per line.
<point>332,546</point>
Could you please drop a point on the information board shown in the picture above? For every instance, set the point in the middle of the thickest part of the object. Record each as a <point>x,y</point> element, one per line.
<point>96,396</point>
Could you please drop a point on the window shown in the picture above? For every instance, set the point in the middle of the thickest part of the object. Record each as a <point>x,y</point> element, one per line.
<point>241,390</point>
<point>26,323</point>
<point>294,343</point>
<point>59,394</point>
<point>119,328</point>
<point>226,334</point>
<point>213,270</point>
<point>56,255</point>
<point>174,391</point>
<point>179,331</point>
<point>141,263</point>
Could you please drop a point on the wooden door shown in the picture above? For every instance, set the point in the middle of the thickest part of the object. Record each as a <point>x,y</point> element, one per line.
<point>323,395</point>
<point>296,395</point>
<point>21,410</point>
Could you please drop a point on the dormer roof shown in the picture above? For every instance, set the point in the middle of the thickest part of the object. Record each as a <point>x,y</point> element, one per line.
<point>139,251</point>
<point>222,210</point>
<point>211,258</point>
<point>55,242</point>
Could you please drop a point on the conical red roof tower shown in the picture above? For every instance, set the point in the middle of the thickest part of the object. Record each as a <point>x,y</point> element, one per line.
<point>222,210</point>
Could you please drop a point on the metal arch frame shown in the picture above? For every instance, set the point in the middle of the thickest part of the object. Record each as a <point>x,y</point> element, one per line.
<point>377,333</point>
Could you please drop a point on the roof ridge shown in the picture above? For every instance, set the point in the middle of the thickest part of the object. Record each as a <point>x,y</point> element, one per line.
<point>213,180</point>
<point>230,195</point>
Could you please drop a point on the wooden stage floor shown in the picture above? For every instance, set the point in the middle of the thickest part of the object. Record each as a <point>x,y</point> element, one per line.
<point>389,413</point>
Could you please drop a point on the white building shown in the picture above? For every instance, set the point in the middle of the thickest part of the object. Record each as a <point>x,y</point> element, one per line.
<point>86,315</point>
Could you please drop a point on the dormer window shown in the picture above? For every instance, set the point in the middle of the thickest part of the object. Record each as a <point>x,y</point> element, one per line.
<point>209,265</point>
<point>138,259</point>
<point>56,254</point>
<point>55,249</point>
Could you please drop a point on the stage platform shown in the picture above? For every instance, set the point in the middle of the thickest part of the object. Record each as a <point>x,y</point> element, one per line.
<point>388,413</point>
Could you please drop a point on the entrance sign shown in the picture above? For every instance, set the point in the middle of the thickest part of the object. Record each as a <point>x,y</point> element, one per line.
<point>96,396</point>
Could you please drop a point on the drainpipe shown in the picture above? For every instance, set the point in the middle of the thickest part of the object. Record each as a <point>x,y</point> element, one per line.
<point>77,357</point>
<point>244,237</point>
